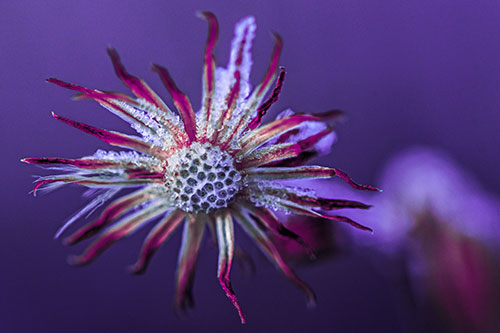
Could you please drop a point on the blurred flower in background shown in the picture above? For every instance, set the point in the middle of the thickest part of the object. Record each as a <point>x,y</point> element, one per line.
<point>443,228</point>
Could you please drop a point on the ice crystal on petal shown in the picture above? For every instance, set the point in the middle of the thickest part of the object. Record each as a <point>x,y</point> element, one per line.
<point>215,168</point>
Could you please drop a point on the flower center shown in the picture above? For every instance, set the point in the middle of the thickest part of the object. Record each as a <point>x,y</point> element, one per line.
<point>201,178</point>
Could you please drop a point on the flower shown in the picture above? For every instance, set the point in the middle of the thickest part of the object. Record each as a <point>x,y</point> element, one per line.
<point>443,228</point>
<point>204,169</point>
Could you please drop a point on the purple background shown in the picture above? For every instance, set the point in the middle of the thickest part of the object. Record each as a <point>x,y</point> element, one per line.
<point>407,72</point>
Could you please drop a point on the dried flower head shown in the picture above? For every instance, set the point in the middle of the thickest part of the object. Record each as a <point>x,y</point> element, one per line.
<point>202,169</point>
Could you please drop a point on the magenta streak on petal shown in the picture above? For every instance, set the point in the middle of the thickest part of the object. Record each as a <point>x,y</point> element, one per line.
<point>180,100</point>
<point>286,136</point>
<point>111,137</point>
<point>271,222</point>
<point>310,212</point>
<point>98,96</point>
<point>305,152</point>
<point>324,203</point>
<point>143,173</point>
<point>80,163</point>
<point>112,212</point>
<point>278,44</point>
<point>156,237</point>
<point>138,87</point>
<point>261,111</point>
<point>347,179</point>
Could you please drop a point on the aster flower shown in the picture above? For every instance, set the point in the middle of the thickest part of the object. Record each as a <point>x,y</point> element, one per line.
<point>204,170</point>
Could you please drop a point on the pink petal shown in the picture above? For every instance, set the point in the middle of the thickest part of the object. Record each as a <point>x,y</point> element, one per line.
<point>180,100</point>
<point>310,212</point>
<point>118,231</point>
<point>101,97</point>
<point>291,173</point>
<point>273,65</point>
<point>225,238</point>
<point>191,239</point>
<point>111,137</point>
<point>83,163</point>
<point>261,111</point>
<point>269,220</point>
<point>156,237</point>
<point>138,86</point>
<point>113,211</point>
<point>270,250</point>
<point>270,155</point>
<point>265,133</point>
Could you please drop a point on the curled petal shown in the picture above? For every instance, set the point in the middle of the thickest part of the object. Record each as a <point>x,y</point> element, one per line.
<point>261,111</point>
<point>126,227</point>
<point>326,204</point>
<point>181,102</point>
<point>309,212</point>
<point>191,239</point>
<point>341,174</point>
<point>273,65</point>
<point>225,239</point>
<point>156,237</point>
<point>138,86</point>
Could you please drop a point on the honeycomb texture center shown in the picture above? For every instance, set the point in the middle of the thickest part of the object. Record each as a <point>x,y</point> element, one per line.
<point>201,178</point>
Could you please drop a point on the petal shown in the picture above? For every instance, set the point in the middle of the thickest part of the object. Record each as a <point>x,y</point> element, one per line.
<point>225,239</point>
<point>272,253</point>
<point>181,102</point>
<point>265,133</point>
<point>83,163</point>
<point>291,173</point>
<point>90,181</point>
<point>269,155</point>
<point>115,210</point>
<point>191,239</point>
<point>111,137</point>
<point>323,203</point>
<point>270,222</point>
<point>208,71</point>
<point>261,111</point>
<point>309,212</point>
<point>105,99</point>
<point>156,237</point>
<point>138,86</point>
<point>121,229</point>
